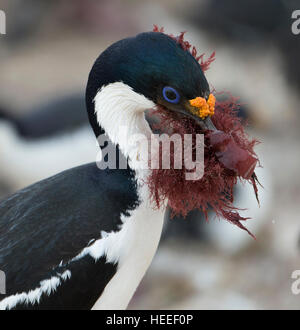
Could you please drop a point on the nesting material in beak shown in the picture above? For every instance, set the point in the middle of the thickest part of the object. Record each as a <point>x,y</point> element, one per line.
<point>228,154</point>
<point>228,157</point>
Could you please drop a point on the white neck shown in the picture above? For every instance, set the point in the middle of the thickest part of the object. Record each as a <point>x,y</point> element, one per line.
<point>120,112</point>
<point>133,248</point>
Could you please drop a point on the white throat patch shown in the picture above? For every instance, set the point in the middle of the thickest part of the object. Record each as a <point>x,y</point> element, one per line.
<point>120,112</point>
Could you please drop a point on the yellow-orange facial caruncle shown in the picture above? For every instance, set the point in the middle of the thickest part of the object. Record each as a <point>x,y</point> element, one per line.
<point>204,108</point>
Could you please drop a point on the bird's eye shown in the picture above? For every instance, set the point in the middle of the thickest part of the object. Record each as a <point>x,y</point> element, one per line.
<point>171,95</point>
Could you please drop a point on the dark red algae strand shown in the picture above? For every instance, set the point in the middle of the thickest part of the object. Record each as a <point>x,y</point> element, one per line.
<point>215,188</point>
<point>231,155</point>
<point>235,219</point>
<point>185,45</point>
<point>254,180</point>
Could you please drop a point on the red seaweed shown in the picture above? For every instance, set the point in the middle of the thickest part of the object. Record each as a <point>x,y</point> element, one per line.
<point>228,157</point>
<point>185,45</point>
<point>232,156</point>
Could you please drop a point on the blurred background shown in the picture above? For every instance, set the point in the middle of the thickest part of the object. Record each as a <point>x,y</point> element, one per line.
<point>45,58</point>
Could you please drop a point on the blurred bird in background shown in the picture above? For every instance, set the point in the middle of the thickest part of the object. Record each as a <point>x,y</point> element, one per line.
<point>44,140</point>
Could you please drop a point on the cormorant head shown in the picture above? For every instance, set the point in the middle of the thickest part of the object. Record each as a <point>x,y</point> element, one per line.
<point>156,70</point>
<point>154,65</point>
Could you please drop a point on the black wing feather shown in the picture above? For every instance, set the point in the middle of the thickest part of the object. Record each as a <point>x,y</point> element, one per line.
<point>53,220</point>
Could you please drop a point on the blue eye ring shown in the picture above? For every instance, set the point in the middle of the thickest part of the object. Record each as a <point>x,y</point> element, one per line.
<point>167,90</point>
